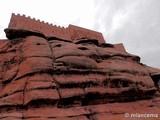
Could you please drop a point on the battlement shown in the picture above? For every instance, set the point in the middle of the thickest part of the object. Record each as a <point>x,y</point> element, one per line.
<point>28,23</point>
<point>70,33</point>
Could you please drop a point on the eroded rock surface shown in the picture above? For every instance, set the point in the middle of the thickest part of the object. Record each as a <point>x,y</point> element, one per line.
<point>84,79</point>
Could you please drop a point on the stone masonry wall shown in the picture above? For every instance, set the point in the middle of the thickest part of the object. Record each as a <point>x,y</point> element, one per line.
<point>70,33</point>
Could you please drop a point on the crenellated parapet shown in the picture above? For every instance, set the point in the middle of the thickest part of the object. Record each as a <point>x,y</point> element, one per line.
<point>70,33</point>
<point>28,23</point>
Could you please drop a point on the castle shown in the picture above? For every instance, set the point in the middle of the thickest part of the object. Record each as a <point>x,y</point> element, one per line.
<point>70,33</point>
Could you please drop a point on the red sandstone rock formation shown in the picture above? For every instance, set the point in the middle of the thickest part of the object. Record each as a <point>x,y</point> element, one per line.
<point>46,76</point>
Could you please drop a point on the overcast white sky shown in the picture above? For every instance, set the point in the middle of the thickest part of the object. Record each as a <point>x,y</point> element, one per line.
<point>135,23</point>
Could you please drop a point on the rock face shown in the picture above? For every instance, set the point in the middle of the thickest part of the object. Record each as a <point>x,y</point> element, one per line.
<point>51,78</point>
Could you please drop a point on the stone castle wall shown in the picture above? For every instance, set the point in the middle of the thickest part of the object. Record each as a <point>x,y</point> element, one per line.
<point>70,33</point>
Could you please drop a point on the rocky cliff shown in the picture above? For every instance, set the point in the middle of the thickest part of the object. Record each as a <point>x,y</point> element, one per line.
<point>52,78</point>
